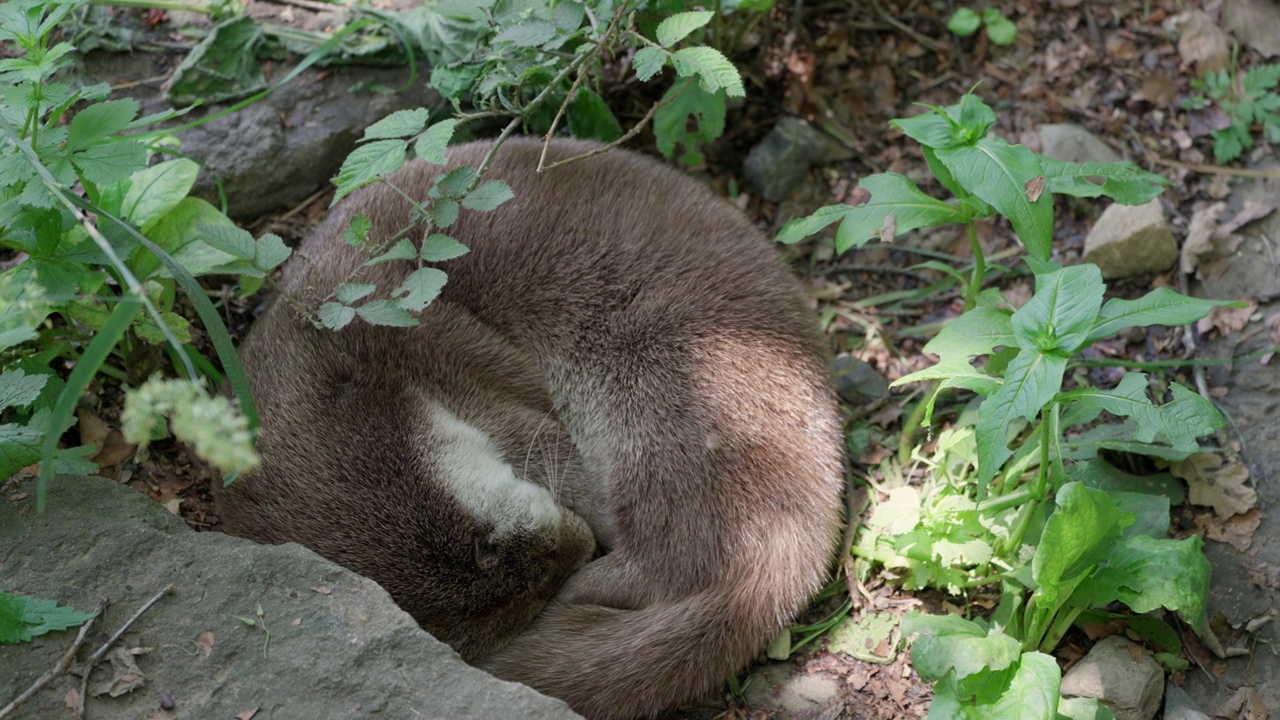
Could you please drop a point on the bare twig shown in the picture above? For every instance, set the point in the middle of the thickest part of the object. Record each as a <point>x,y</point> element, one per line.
<point>62,665</point>
<point>101,651</point>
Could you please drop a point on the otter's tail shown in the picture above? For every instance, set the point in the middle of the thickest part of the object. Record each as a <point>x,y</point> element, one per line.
<point>615,664</point>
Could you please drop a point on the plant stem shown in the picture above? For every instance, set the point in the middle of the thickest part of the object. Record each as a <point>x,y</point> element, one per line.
<point>979,267</point>
<point>912,424</point>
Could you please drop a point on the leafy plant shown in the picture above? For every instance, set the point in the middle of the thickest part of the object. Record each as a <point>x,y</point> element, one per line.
<point>1246,99</point>
<point>23,618</point>
<point>100,239</point>
<point>1000,30</point>
<point>1017,492</point>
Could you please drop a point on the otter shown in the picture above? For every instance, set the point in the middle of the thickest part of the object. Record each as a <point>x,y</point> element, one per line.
<point>607,463</point>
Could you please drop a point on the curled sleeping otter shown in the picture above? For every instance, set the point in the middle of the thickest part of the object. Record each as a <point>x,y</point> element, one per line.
<point>606,464</point>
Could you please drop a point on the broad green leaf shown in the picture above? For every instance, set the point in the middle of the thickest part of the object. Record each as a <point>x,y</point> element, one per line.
<point>1123,182</point>
<point>1161,306</point>
<point>99,122</point>
<point>898,514</point>
<point>444,212</point>
<point>676,27</point>
<point>488,196</point>
<point>232,240</point>
<point>1030,382</point>
<point>173,233</point>
<point>1148,573</point>
<point>105,164</point>
<point>270,251</point>
<point>964,22</point>
<point>671,121</point>
<point>1077,537</point>
<point>399,124</point>
<point>1179,423</point>
<point>1033,691</point>
<point>433,143</point>
<point>1060,315</point>
<point>998,173</point>
<point>148,331</point>
<point>1102,475</point>
<point>18,389</point>
<point>712,68</point>
<point>530,33</point>
<point>348,293</point>
<point>976,332</point>
<point>648,62</point>
<point>964,123</point>
<point>403,250</point>
<point>438,248</point>
<point>1117,437</point>
<point>420,288</point>
<point>456,181</point>
<point>336,316</point>
<point>949,642</point>
<point>1079,708</point>
<point>568,15</point>
<point>891,195</point>
<point>590,118</point>
<point>385,312</point>
<point>366,164</point>
<point>1000,29</point>
<point>157,190</point>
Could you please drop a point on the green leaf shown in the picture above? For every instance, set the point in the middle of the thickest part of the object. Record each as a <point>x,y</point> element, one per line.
<point>676,27</point>
<point>530,33</point>
<point>336,316</point>
<point>399,124</point>
<point>1161,306</point>
<point>964,123</point>
<point>1080,708</point>
<point>420,288</point>
<point>403,250</point>
<point>229,239</point>
<point>1148,573</point>
<point>366,164</point>
<point>1123,182</point>
<point>18,389</point>
<point>105,164</point>
<point>949,642</point>
<point>444,212</point>
<point>348,293</point>
<point>891,195</point>
<point>1060,315</point>
<point>1001,29</point>
<point>1179,422</point>
<point>568,15</point>
<point>964,22</point>
<point>438,248</point>
<point>356,233</point>
<point>684,101</point>
<point>99,122</point>
<point>648,62</point>
<point>998,173</point>
<point>711,67</point>
<point>432,145</point>
<point>270,252</point>
<point>1077,537</point>
<point>386,312</point>
<point>1033,690</point>
<point>1030,382</point>
<point>590,118</point>
<point>488,196</point>
<point>975,332</point>
<point>23,618</point>
<point>456,181</point>
<point>157,190</point>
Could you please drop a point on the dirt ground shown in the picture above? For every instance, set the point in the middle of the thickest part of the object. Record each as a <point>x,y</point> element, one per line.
<point>1118,68</point>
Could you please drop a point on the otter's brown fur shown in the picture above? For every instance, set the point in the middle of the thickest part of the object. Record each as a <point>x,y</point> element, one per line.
<point>632,343</point>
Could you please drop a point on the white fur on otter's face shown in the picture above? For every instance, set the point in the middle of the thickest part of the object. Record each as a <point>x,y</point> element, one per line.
<point>471,465</point>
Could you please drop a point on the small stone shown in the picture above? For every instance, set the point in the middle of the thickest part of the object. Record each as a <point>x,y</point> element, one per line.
<point>781,687</point>
<point>1120,675</point>
<point>1131,240</point>
<point>1178,705</point>
<point>780,162</point>
<point>1071,143</point>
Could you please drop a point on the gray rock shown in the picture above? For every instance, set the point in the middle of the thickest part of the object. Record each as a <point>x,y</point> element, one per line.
<point>339,647</point>
<point>780,162</point>
<point>1178,705</point>
<point>1131,240</point>
<point>1071,143</point>
<point>1120,675</point>
<point>284,148</point>
<point>778,686</point>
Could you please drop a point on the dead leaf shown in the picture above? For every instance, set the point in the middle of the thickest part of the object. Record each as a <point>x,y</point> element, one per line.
<point>93,431</point>
<point>1210,483</point>
<point>1202,42</point>
<point>1200,232</point>
<point>1226,320</point>
<point>1034,187</point>
<point>124,677</point>
<point>205,642</point>
<point>1237,530</point>
<point>1254,23</point>
<point>72,698</point>
<point>174,506</point>
<point>888,228</point>
<point>247,714</point>
<point>323,590</point>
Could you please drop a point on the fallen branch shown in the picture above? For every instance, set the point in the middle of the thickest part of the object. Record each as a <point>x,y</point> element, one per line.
<point>97,656</point>
<point>62,665</point>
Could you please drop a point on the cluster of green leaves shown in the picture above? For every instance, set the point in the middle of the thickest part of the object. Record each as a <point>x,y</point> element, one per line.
<point>24,618</point>
<point>534,59</point>
<point>101,240</point>
<point>1018,493</point>
<point>1000,29</point>
<point>1246,99</point>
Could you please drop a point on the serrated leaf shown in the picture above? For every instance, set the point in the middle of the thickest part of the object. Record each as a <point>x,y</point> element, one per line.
<point>648,62</point>
<point>399,124</point>
<point>386,313</point>
<point>677,27</point>
<point>366,164</point>
<point>1030,382</point>
<point>23,618</point>
<point>18,389</point>
<point>671,121</point>
<point>530,33</point>
<point>712,68</point>
<point>1060,315</point>
<point>270,251</point>
<point>356,233</point>
<point>568,15</point>
<point>1178,422</point>
<point>150,332</point>
<point>444,212</point>
<point>336,316</point>
<point>488,196</point>
<point>403,250</point>
<point>438,248</point>
<point>997,172</point>
<point>232,240</point>
<point>348,293</point>
<point>434,142</point>
<point>105,164</point>
<point>1161,306</point>
<point>99,122</point>
<point>456,181</point>
<point>420,288</point>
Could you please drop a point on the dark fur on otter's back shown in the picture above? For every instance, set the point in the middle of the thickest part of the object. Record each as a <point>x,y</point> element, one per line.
<point>623,338</point>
